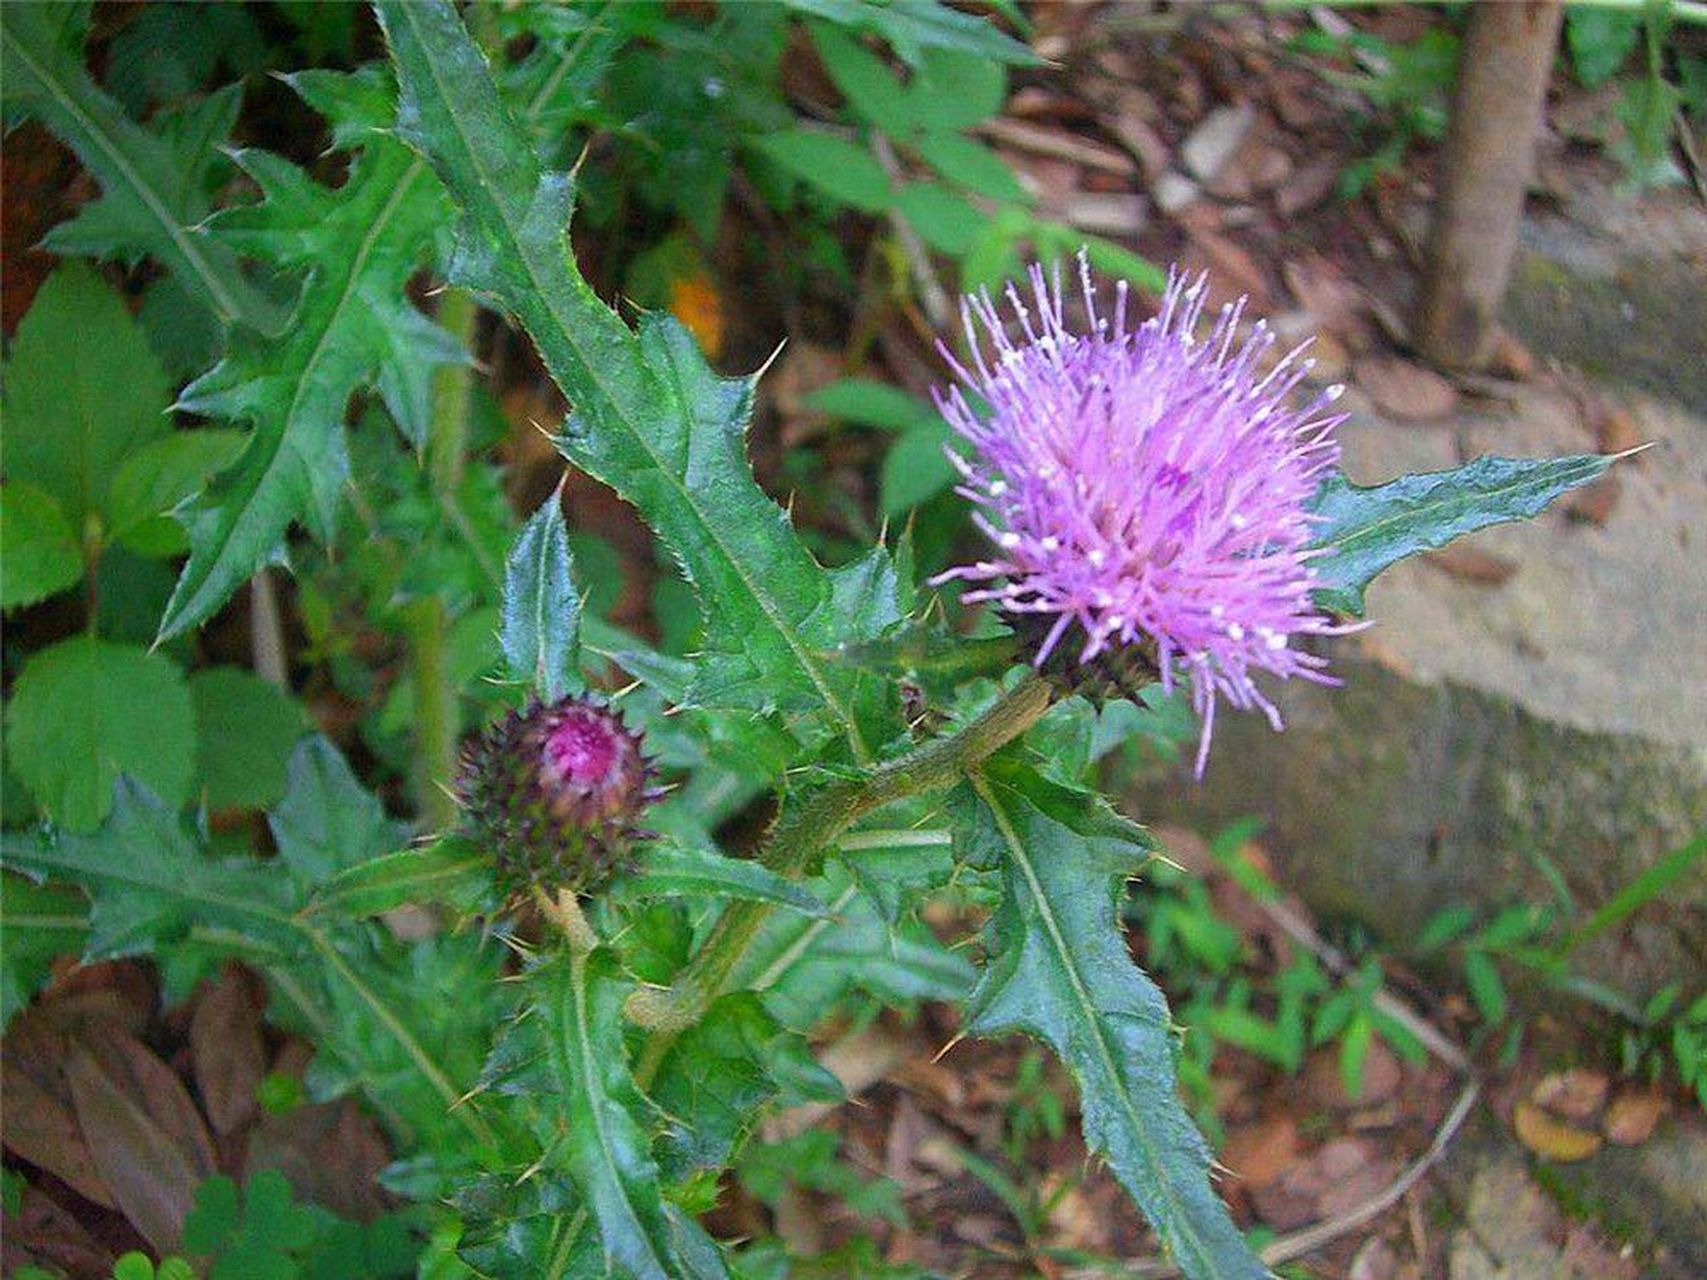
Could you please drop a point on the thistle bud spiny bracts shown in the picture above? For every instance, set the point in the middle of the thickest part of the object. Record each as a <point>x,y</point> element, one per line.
<point>557,791</point>
<point>1146,489</point>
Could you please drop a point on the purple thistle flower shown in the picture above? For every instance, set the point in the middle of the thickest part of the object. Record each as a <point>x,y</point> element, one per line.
<point>1145,487</point>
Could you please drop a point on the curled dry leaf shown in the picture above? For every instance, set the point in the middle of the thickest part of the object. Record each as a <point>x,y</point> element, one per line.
<point>1631,1118</point>
<point>1577,1094</point>
<point>1550,1137</point>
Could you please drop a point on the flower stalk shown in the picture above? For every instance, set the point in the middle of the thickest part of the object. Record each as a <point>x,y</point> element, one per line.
<point>803,835</point>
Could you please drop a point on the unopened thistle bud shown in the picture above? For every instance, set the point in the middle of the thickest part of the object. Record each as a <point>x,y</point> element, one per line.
<point>557,791</point>
<point>1147,492</point>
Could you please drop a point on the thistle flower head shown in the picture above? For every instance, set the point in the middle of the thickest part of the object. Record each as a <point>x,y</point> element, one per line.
<point>557,791</point>
<point>1145,487</point>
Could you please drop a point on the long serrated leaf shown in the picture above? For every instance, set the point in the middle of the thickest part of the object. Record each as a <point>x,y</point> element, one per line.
<point>651,419</point>
<point>361,243</point>
<point>150,196</point>
<point>452,869</point>
<point>605,1144</point>
<point>542,610</point>
<point>1371,528</point>
<point>667,870</point>
<point>1059,969</point>
<point>149,882</point>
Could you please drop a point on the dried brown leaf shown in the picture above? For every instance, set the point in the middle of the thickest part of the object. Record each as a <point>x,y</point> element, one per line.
<point>146,1136</point>
<point>227,1051</point>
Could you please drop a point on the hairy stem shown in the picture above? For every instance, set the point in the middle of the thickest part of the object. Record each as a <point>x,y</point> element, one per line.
<point>803,834</point>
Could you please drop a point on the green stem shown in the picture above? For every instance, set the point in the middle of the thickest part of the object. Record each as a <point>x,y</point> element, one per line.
<point>438,721</point>
<point>447,445</point>
<point>437,718</point>
<point>802,835</point>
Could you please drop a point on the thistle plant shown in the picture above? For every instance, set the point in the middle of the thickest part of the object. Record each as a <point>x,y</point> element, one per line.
<point>1162,505</point>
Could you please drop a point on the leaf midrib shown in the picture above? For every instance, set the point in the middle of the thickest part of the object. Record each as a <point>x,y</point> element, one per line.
<point>228,307</point>
<point>1588,464</point>
<point>800,652</point>
<point>173,625</point>
<point>583,1042</point>
<point>1016,851</point>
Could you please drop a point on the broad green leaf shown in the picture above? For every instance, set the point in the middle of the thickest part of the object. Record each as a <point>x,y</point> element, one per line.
<point>542,610</point>
<point>39,923</point>
<point>82,391</point>
<point>651,419</point>
<point>353,324</point>
<point>1369,529</point>
<point>971,164</point>
<point>327,821</point>
<point>871,404</point>
<point>159,478</point>
<point>947,222</point>
<point>915,26</point>
<point>86,710</point>
<point>41,556</point>
<point>840,169</point>
<point>245,729</point>
<point>1059,969</point>
<point>872,90</point>
<point>605,1121</point>
<point>953,89</point>
<point>668,870</point>
<point>1599,39</point>
<point>452,869</point>
<point>915,469</point>
<point>152,186</point>
<point>148,880</point>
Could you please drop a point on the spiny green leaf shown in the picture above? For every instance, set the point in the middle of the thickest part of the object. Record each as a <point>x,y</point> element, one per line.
<point>82,392</point>
<point>651,419</point>
<point>604,1140</point>
<point>542,610</point>
<point>42,555</point>
<point>1058,969</point>
<point>149,881</point>
<point>1371,528</point>
<point>720,1072</point>
<point>86,710</point>
<point>327,821</point>
<point>353,324</point>
<point>452,869</point>
<point>152,186</point>
<point>668,870</point>
<point>39,923</point>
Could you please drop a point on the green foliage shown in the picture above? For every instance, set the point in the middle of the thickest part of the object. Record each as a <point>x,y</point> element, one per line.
<point>649,413</point>
<point>85,711</point>
<point>260,1233</point>
<point>153,185</point>
<point>1058,969</point>
<point>352,324</point>
<point>542,610</point>
<point>1370,528</point>
<point>573,1077</point>
<point>812,1161</point>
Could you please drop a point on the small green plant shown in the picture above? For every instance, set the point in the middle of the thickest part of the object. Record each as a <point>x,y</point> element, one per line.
<point>568,1067</point>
